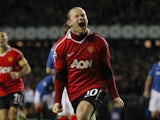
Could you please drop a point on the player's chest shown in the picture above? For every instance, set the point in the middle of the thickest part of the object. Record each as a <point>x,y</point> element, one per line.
<point>8,59</point>
<point>83,51</point>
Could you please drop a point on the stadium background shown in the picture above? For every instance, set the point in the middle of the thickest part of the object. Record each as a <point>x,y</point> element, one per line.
<point>132,28</point>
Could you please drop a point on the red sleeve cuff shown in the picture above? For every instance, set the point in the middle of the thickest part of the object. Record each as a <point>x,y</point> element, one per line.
<point>112,88</point>
<point>58,87</point>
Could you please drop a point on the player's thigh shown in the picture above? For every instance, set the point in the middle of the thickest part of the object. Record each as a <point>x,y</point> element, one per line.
<point>13,113</point>
<point>3,114</point>
<point>4,106</point>
<point>84,110</point>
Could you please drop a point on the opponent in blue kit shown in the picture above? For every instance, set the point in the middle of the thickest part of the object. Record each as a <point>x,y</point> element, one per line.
<point>153,82</point>
<point>44,93</point>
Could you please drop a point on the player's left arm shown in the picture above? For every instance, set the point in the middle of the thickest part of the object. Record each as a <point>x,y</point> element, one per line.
<point>108,75</point>
<point>107,71</point>
<point>25,69</point>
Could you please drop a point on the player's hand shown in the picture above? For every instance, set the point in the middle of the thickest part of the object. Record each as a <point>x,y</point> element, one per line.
<point>118,102</point>
<point>146,94</point>
<point>57,107</point>
<point>14,75</point>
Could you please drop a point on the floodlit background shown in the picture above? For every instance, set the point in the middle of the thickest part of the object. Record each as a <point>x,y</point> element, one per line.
<point>131,27</point>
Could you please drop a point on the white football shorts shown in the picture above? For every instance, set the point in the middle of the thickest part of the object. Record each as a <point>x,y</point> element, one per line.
<point>154,103</point>
<point>48,98</point>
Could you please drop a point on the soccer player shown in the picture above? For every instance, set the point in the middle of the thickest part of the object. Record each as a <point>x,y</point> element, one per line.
<point>68,112</point>
<point>44,93</point>
<point>13,65</point>
<point>153,82</point>
<point>82,64</point>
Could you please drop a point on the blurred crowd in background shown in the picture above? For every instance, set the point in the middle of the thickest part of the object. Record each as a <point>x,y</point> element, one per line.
<point>130,59</point>
<point>52,12</point>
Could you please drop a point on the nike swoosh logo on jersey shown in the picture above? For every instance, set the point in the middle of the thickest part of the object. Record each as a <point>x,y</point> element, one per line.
<point>70,54</point>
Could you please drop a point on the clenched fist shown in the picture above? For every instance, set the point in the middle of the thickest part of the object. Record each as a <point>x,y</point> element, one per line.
<point>57,107</point>
<point>118,102</point>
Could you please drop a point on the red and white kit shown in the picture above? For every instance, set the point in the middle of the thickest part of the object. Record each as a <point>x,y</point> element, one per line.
<point>9,63</point>
<point>83,61</point>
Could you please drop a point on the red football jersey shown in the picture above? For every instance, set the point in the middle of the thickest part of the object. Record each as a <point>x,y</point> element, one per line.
<point>82,59</point>
<point>8,63</point>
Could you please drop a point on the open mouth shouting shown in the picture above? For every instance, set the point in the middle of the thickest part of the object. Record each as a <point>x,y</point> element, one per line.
<point>82,25</point>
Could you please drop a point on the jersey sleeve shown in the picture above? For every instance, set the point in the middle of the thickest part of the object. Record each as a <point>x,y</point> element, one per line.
<point>61,74</point>
<point>151,71</point>
<point>107,72</point>
<point>19,54</point>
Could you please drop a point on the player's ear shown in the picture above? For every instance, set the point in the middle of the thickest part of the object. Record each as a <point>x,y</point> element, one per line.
<point>68,22</point>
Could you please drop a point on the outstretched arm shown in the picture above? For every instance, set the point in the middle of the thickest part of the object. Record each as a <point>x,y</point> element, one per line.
<point>108,76</point>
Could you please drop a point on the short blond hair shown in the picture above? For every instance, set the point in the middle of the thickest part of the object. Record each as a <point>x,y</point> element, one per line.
<point>68,13</point>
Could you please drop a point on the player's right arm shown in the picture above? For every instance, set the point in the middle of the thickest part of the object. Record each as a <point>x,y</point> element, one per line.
<point>60,77</point>
<point>147,85</point>
<point>58,87</point>
<point>148,82</point>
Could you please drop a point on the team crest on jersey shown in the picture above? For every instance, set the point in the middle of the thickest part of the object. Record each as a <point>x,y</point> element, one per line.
<point>10,59</point>
<point>90,49</point>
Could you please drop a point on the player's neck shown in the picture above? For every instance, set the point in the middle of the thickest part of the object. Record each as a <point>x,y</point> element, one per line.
<point>78,37</point>
<point>3,49</point>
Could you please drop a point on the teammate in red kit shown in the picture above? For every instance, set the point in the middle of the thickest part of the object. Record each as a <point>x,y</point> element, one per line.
<point>82,64</point>
<point>13,66</point>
